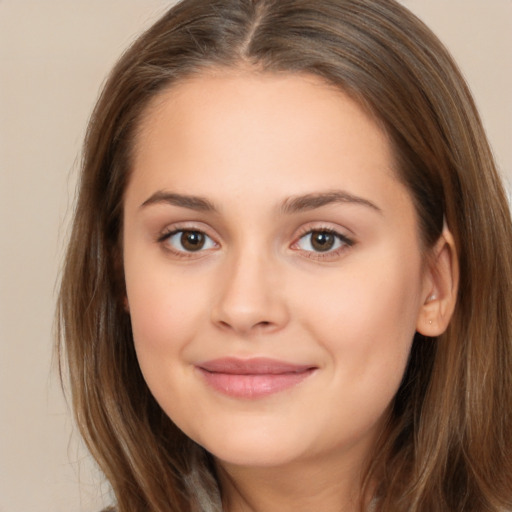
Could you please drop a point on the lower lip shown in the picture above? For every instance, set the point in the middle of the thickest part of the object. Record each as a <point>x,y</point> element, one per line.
<point>253,385</point>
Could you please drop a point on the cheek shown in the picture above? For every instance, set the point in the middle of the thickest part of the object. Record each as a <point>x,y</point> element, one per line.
<point>366,318</point>
<point>164,318</point>
<point>378,290</point>
<point>164,308</point>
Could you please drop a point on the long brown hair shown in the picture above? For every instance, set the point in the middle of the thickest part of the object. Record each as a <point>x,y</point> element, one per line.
<point>448,443</point>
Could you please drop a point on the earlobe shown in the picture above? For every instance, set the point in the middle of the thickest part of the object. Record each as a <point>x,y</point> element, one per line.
<point>440,287</point>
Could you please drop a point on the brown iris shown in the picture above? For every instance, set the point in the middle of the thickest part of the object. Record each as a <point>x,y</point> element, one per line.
<point>322,240</point>
<point>192,240</point>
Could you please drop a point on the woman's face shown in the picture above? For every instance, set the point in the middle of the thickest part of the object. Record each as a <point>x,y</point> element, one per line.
<point>273,269</point>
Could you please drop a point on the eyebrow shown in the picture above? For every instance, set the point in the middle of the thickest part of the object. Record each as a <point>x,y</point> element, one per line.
<point>291,205</point>
<point>317,200</point>
<point>184,201</point>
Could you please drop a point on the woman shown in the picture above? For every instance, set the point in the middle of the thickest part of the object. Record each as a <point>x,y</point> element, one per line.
<point>288,280</point>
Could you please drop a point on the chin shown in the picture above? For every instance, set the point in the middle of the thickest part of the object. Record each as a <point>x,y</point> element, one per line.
<point>257,450</point>
<point>254,457</point>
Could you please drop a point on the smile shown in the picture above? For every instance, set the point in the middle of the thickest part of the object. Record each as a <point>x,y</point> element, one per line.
<point>252,378</point>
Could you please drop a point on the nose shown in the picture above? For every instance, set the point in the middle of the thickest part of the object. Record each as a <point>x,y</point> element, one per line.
<point>251,296</point>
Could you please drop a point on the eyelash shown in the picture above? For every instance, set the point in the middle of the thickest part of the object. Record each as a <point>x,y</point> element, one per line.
<point>165,237</point>
<point>344,241</point>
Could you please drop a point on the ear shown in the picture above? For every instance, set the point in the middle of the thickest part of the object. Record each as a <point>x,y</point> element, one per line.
<point>126,304</point>
<point>440,285</point>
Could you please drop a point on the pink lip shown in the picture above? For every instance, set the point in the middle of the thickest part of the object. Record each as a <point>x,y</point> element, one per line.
<point>252,378</point>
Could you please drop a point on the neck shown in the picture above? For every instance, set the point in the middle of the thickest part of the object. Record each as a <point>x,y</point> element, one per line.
<point>299,487</point>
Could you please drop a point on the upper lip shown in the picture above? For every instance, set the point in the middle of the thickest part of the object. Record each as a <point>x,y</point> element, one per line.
<point>253,366</point>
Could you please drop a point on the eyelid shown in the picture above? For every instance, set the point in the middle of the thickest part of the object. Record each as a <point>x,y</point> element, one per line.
<point>165,234</point>
<point>346,241</point>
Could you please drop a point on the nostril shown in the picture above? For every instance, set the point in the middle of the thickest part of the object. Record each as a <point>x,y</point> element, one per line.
<point>263,325</point>
<point>254,327</point>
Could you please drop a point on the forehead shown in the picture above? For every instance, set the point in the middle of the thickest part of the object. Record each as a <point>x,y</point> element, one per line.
<point>263,119</point>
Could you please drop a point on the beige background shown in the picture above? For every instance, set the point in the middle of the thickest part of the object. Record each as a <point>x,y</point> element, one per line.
<point>54,55</point>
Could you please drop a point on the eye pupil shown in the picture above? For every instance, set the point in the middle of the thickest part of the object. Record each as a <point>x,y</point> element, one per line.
<point>322,240</point>
<point>192,240</point>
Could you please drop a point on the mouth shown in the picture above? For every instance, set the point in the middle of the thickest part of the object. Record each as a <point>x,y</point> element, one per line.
<point>252,378</point>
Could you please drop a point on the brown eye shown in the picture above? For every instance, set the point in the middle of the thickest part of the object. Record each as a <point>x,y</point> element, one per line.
<point>192,240</point>
<point>188,240</point>
<point>322,240</point>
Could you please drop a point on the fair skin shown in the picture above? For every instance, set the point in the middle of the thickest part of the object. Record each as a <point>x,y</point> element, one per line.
<point>264,225</point>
